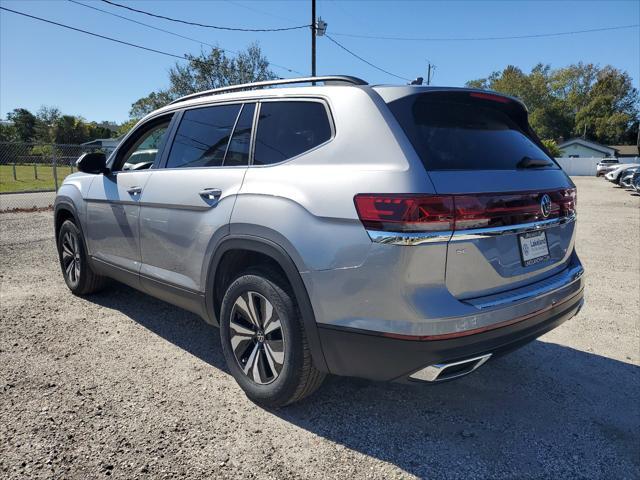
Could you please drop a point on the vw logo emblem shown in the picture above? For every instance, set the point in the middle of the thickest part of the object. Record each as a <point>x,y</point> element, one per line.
<point>545,205</point>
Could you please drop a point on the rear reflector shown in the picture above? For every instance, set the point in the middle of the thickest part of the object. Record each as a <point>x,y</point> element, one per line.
<point>419,213</point>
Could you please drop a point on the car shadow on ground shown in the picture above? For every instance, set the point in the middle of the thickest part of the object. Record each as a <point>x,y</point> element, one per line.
<point>180,327</point>
<point>546,410</point>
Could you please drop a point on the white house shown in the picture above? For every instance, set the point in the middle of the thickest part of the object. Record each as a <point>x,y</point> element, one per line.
<point>579,147</point>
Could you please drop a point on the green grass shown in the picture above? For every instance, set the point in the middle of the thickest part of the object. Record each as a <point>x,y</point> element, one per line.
<point>25,178</point>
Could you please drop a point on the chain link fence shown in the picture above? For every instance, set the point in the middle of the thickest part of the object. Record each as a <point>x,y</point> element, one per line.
<point>30,173</point>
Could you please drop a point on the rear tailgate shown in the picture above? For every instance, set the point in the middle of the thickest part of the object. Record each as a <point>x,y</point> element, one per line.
<point>514,208</point>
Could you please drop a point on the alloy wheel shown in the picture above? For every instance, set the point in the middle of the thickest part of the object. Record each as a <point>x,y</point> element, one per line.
<point>71,257</point>
<point>257,338</point>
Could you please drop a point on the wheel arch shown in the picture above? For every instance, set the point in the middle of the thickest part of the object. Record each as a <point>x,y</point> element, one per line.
<point>64,210</point>
<point>275,253</point>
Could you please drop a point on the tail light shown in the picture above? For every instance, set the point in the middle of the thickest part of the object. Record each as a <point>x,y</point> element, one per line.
<point>482,211</point>
<point>406,213</point>
<point>420,213</point>
<point>568,200</point>
<point>490,96</point>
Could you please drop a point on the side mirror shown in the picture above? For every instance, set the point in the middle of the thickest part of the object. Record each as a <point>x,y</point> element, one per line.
<point>93,162</point>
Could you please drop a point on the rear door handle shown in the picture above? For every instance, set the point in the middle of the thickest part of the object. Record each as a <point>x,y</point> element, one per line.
<point>211,194</point>
<point>134,190</point>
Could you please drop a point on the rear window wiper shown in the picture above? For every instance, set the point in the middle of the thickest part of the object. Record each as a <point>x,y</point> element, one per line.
<point>528,162</point>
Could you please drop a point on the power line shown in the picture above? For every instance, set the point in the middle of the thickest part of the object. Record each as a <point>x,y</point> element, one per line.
<point>94,34</point>
<point>363,60</point>
<point>465,39</point>
<point>201,42</point>
<point>123,42</point>
<point>196,24</point>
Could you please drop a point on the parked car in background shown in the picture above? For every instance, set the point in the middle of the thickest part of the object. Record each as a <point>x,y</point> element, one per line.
<point>635,181</point>
<point>627,176</point>
<point>614,175</point>
<point>606,165</point>
<point>141,159</point>
<point>401,233</point>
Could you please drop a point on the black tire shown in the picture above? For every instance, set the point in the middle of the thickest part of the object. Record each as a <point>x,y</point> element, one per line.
<point>297,377</point>
<point>77,272</point>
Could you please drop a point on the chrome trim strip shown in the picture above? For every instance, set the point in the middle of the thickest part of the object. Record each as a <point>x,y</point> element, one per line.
<point>478,233</point>
<point>408,238</point>
<point>150,204</point>
<point>544,287</point>
<point>418,238</point>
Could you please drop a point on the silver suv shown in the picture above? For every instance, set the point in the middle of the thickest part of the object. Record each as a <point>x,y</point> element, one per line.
<point>400,233</point>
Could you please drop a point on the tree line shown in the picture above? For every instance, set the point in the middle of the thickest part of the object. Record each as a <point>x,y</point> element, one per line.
<point>49,125</point>
<point>580,100</point>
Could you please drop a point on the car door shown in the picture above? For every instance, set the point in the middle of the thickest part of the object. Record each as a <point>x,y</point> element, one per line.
<point>186,205</point>
<point>113,208</point>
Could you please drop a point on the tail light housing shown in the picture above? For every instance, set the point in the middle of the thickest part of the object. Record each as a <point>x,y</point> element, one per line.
<point>405,213</point>
<point>429,213</point>
<point>490,96</point>
<point>568,200</point>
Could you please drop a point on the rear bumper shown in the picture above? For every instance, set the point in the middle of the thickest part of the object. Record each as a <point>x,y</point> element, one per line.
<point>361,353</point>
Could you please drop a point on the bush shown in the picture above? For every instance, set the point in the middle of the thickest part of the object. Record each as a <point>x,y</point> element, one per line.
<point>552,146</point>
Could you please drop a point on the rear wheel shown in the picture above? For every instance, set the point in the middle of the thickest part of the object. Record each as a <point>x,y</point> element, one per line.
<point>77,272</point>
<point>264,342</point>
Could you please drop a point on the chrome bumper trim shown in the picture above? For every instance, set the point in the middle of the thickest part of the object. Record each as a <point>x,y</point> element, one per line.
<point>409,238</point>
<point>543,287</point>
<point>478,233</point>
<point>419,238</point>
<point>437,373</point>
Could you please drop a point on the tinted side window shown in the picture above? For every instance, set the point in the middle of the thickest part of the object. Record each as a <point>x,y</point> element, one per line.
<point>142,154</point>
<point>202,137</point>
<point>143,145</point>
<point>238,151</point>
<point>287,129</point>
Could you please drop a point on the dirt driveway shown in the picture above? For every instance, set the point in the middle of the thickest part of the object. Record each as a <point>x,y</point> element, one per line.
<point>123,385</point>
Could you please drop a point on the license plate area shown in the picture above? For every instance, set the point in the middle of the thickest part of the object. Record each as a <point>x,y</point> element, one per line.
<point>533,248</point>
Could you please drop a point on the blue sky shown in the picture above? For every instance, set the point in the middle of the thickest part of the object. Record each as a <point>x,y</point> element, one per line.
<point>81,75</point>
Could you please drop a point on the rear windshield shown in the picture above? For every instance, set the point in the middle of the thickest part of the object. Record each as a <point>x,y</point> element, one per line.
<point>457,132</point>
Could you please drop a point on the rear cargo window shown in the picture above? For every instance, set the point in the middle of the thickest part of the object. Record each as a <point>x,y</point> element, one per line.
<point>456,132</point>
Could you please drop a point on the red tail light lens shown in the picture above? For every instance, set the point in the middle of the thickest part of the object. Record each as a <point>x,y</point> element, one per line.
<point>420,213</point>
<point>406,213</point>
<point>489,96</point>
<point>482,211</point>
<point>568,200</point>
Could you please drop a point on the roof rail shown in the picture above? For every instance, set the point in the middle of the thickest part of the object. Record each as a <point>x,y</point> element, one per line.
<point>268,83</point>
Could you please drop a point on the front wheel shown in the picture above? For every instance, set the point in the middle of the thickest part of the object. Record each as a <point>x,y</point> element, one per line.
<point>264,342</point>
<point>77,272</point>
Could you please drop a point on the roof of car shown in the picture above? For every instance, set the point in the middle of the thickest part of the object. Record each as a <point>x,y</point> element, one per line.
<point>258,90</point>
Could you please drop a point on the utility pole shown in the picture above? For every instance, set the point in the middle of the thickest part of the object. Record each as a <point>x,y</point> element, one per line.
<point>431,70</point>
<point>313,38</point>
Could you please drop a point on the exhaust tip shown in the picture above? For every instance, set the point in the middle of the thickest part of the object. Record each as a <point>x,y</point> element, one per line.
<point>448,371</point>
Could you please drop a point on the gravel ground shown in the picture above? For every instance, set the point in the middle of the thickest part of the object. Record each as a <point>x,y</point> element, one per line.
<point>11,201</point>
<point>120,384</point>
